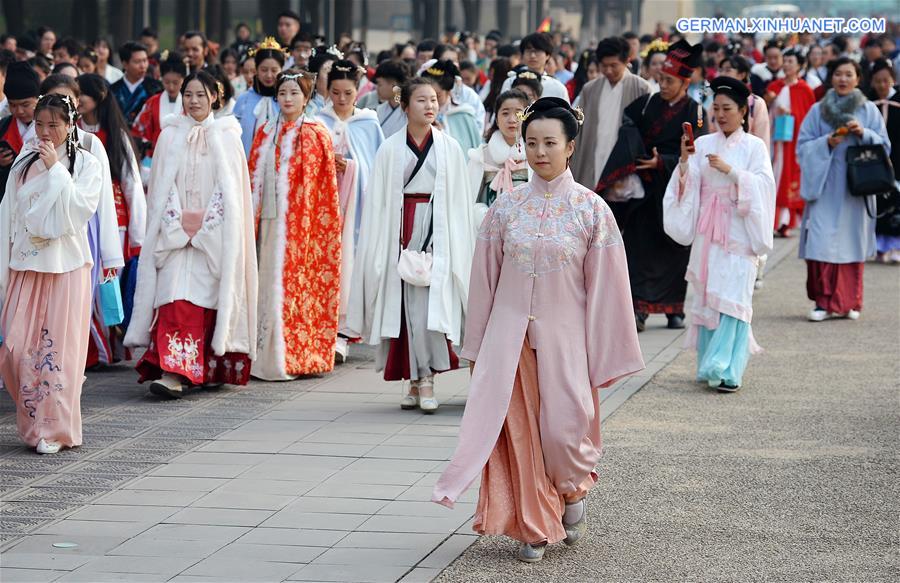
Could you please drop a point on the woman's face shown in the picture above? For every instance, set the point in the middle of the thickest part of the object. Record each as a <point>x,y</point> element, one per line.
<point>196,100</point>
<point>882,81</point>
<point>172,84</point>
<point>423,106</point>
<point>102,50</point>
<point>593,71</point>
<point>47,41</point>
<point>291,99</point>
<point>248,70</point>
<point>443,96</point>
<point>791,66</point>
<point>844,80</point>
<point>547,148</point>
<point>656,64</point>
<point>508,118</point>
<point>726,70</point>
<point>86,65</point>
<point>727,113</point>
<point>343,95</point>
<point>86,105</point>
<point>229,64</point>
<point>816,56</point>
<point>50,126</point>
<point>267,72</point>
<point>528,91</point>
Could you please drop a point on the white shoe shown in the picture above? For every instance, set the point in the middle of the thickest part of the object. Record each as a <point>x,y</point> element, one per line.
<point>45,447</point>
<point>409,402</point>
<point>758,284</point>
<point>853,315</point>
<point>168,386</point>
<point>817,315</point>
<point>342,348</point>
<point>430,404</point>
<point>576,531</point>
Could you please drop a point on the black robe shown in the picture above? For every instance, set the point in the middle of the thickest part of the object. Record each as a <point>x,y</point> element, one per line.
<point>656,263</point>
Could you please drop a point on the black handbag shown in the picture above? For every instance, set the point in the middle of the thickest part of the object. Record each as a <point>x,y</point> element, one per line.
<point>870,173</point>
<point>869,170</point>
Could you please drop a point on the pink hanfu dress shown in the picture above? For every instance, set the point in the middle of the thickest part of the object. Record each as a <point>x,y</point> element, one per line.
<point>549,323</point>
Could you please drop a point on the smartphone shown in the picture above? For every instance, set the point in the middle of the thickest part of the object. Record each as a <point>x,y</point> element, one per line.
<point>689,132</point>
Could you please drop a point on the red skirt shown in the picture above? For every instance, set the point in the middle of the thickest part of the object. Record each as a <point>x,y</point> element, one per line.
<point>835,287</point>
<point>181,344</point>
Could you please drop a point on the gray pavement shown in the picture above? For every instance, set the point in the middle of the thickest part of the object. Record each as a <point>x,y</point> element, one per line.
<point>320,479</point>
<point>795,478</point>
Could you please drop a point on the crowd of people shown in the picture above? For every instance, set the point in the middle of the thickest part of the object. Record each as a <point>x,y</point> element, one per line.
<point>256,209</point>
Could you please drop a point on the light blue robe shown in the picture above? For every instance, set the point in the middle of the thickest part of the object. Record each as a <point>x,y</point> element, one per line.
<point>459,122</point>
<point>243,111</point>
<point>364,137</point>
<point>836,227</point>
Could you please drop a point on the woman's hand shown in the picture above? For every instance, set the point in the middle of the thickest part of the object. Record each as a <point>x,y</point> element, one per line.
<point>47,153</point>
<point>718,163</point>
<point>340,164</point>
<point>834,140</point>
<point>685,149</point>
<point>648,164</point>
<point>855,128</point>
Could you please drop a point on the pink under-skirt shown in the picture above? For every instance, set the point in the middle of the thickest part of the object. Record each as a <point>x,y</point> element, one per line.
<point>44,323</point>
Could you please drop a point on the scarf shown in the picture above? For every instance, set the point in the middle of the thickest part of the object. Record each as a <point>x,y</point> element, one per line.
<point>837,110</point>
<point>504,160</point>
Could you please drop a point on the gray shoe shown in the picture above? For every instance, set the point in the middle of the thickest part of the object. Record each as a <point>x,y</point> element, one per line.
<point>530,553</point>
<point>575,532</point>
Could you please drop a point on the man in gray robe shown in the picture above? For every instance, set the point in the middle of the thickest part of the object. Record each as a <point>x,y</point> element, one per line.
<point>604,100</point>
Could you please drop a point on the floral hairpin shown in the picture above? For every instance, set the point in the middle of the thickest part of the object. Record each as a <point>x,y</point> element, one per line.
<point>336,52</point>
<point>527,75</point>
<point>164,56</point>
<point>397,91</point>
<point>579,115</point>
<point>343,69</point>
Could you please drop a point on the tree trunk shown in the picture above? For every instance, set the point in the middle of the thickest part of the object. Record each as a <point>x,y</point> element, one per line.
<point>14,14</point>
<point>503,17</point>
<point>215,21</point>
<point>472,15</point>
<point>121,22</point>
<point>343,17</point>
<point>269,10</point>
<point>431,25</point>
<point>418,18</point>
<point>183,19</point>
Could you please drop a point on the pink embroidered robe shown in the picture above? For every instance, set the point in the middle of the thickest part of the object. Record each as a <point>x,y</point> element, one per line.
<point>549,262</point>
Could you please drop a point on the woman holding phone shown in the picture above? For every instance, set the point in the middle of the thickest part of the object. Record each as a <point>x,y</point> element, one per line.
<point>720,201</point>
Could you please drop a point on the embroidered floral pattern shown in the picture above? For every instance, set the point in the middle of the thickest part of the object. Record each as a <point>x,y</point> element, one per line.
<point>173,210</point>
<point>545,234</point>
<point>215,211</point>
<point>183,354</point>
<point>47,371</point>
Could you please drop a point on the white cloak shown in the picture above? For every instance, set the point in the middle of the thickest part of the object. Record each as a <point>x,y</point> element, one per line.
<point>226,237</point>
<point>375,300</point>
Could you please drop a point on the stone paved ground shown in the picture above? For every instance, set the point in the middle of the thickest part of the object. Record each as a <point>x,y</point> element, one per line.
<point>795,478</point>
<point>318,479</point>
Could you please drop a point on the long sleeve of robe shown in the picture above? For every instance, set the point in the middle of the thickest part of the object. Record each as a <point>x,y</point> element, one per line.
<point>836,227</point>
<point>549,263</point>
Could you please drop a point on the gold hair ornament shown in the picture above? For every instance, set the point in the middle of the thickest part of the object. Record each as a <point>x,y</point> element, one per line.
<point>268,44</point>
<point>435,72</point>
<point>656,46</point>
<point>397,91</point>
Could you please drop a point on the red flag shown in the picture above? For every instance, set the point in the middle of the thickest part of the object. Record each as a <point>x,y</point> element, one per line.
<point>545,25</point>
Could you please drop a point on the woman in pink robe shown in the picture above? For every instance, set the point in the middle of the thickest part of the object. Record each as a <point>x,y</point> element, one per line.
<point>549,323</point>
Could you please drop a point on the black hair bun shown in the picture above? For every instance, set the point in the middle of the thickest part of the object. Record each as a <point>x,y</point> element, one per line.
<point>554,108</point>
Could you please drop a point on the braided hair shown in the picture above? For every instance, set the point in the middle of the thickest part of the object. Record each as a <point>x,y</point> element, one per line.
<point>65,108</point>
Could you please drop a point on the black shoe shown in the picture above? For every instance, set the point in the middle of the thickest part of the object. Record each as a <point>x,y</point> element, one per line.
<point>676,322</point>
<point>640,321</point>
<point>726,388</point>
